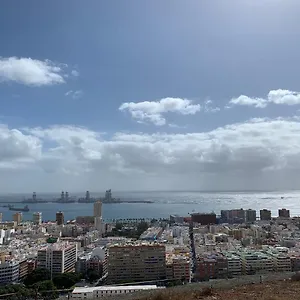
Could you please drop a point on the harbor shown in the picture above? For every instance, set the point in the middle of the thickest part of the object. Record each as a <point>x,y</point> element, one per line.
<point>67,199</point>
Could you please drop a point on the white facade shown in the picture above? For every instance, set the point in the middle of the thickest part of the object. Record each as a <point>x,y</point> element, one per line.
<point>9,272</point>
<point>104,291</point>
<point>59,257</point>
<point>234,265</point>
<point>257,262</point>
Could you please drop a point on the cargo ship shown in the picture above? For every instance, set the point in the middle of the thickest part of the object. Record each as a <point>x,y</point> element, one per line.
<point>24,209</point>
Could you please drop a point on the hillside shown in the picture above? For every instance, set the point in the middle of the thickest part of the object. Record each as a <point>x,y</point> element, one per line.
<point>281,290</point>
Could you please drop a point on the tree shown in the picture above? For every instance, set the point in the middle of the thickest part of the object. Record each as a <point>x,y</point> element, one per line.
<point>37,275</point>
<point>47,289</point>
<point>66,280</point>
<point>119,226</point>
<point>92,275</point>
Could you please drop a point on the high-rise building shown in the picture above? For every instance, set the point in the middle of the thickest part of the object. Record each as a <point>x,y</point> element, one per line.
<point>250,215</point>
<point>87,195</point>
<point>60,220</point>
<point>265,215</point>
<point>233,216</point>
<point>98,216</point>
<point>1,216</point>
<point>204,219</point>
<point>283,213</point>
<point>67,196</point>
<point>59,257</point>
<point>34,197</point>
<point>62,196</point>
<point>17,217</point>
<point>136,262</point>
<point>37,218</point>
<point>98,209</point>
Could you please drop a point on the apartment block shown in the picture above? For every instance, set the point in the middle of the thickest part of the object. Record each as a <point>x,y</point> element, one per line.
<point>233,216</point>
<point>139,261</point>
<point>59,257</point>
<point>234,264</point>
<point>256,262</point>
<point>250,215</point>
<point>282,261</point>
<point>179,268</point>
<point>23,269</point>
<point>206,268</point>
<point>265,215</point>
<point>9,272</point>
<point>283,213</point>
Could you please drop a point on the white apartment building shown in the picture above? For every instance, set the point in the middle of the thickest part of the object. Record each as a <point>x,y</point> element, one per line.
<point>281,259</point>
<point>256,262</point>
<point>104,291</point>
<point>234,264</point>
<point>9,272</point>
<point>59,257</point>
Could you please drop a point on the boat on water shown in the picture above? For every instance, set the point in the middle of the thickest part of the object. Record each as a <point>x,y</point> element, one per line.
<point>24,209</point>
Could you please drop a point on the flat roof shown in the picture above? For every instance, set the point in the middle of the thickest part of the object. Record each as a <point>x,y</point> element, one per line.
<point>113,288</point>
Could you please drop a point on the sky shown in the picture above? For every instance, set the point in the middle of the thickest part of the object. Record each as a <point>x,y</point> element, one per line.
<point>149,95</point>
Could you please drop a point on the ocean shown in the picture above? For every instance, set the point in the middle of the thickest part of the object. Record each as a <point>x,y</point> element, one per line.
<point>165,204</point>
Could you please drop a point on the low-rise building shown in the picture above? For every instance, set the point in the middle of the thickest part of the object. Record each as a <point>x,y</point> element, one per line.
<point>104,291</point>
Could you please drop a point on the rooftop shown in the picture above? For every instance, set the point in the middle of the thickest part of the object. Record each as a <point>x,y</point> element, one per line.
<point>112,288</point>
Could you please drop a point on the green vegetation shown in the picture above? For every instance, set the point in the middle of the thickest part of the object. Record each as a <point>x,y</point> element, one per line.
<point>66,280</point>
<point>129,230</point>
<point>39,283</point>
<point>36,276</point>
<point>19,289</point>
<point>92,275</point>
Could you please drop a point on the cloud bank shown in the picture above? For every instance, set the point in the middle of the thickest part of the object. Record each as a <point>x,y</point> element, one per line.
<point>260,153</point>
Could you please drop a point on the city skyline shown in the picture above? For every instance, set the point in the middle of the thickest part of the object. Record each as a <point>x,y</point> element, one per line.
<point>149,97</point>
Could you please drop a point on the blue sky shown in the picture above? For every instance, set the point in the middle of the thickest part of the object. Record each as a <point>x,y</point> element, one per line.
<point>79,80</point>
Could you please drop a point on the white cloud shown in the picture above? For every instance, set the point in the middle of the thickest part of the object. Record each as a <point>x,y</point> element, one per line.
<point>284,97</point>
<point>74,94</point>
<point>248,101</point>
<point>153,111</point>
<point>75,73</point>
<point>17,149</point>
<point>260,153</point>
<point>274,97</point>
<point>208,107</point>
<point>31,72</point>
